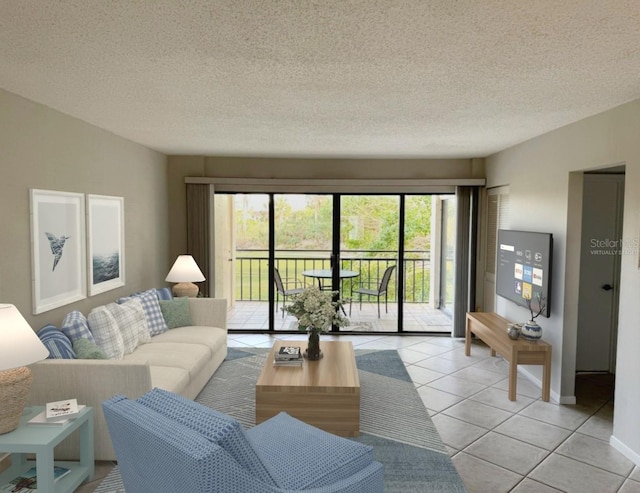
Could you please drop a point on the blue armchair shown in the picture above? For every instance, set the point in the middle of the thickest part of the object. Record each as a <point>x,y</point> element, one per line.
<point>167,443</point>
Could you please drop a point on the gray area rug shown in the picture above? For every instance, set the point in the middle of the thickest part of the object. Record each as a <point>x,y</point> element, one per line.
<point>393,419</point>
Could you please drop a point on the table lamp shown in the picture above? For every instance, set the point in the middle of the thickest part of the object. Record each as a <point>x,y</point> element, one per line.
<point>19,346</point>
<point>185,272</point>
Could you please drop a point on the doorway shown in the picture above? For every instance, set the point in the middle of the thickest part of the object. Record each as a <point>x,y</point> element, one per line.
<point>601,248</point>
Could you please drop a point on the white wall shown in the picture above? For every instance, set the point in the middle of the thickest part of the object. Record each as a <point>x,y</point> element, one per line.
<point>43,148</point>
<point>544,175</point>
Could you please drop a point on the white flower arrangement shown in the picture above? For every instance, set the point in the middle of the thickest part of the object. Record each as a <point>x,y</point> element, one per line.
<point>316,310</point>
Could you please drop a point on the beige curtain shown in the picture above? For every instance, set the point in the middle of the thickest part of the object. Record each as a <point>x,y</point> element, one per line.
<point>465,264</point>
<point>199,230</point>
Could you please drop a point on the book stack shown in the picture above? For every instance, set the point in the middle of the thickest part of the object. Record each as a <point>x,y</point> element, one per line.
<point>288,356</point>
<point>27,481</point>
<point>55,415</point>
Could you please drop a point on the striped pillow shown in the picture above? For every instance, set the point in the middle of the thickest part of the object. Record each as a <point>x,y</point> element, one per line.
<point>164,294</point>
<point>56,342</point>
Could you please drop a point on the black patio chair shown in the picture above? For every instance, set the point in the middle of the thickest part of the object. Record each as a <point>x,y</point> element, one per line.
<point>282,287</point>
<point>378,292</point>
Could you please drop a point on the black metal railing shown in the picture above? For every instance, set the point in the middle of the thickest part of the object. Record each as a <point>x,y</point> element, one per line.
<point>252,274</point>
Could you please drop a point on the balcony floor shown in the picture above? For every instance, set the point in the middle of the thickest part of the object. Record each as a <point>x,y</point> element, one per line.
<point>418,317</point>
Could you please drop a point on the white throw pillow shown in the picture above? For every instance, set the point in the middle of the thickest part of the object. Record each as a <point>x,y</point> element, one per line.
<point>106,333</point>
<point>132,323</point>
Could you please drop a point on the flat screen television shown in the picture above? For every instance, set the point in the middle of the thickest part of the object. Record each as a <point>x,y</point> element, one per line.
<point>523,267</point>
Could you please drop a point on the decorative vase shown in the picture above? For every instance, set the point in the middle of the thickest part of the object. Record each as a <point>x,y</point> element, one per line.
<point>531,331</point>
<point>313,352</point>
<point>513,331</point>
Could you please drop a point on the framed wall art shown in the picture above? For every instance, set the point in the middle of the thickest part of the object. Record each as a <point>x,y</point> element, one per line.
<point>105,230</point>
<point>58,249</point>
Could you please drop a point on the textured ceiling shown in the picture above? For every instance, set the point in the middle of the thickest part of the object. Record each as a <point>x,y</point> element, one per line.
<point>404,78</point>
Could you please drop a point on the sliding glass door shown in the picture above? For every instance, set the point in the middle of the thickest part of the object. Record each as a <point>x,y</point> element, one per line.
<point>369,232</point>
<point>386,255</point>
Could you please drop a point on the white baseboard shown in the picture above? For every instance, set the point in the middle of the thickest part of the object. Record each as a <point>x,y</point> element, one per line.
<point>554,396</point>
<point>624,450</point>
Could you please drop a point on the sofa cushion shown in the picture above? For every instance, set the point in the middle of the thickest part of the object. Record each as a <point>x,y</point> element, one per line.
<point>176,312</point>
<point>131,323</point>
<point>105,332</point>
<point>190,357</point>
<point>152,311</point>
<point>75,326</point>
<point>86,349</point>
<point>170,378</point>
<point>218,427</point>
<point>212,337</point>
<point>56,342</point>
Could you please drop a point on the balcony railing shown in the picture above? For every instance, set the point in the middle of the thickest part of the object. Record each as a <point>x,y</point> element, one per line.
<point>252,271</point>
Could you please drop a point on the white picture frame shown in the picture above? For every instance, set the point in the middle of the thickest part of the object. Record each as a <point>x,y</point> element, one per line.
<point>58,248</point>
<point>105,233</point>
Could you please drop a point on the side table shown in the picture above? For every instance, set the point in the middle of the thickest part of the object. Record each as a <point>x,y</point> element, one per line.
<point>41,441</point>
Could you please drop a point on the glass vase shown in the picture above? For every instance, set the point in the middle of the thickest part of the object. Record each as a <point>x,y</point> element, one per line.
<point>313,349</point>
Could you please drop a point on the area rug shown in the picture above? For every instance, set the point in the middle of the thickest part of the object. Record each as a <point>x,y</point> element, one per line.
<point>393,419</point>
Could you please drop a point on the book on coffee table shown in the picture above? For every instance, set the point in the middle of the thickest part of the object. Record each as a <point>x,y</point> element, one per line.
<point>288,353</point>
<point>288,362</point>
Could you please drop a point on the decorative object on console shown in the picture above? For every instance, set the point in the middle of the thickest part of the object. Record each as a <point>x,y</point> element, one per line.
<point>513,331</point>
<point>531,330</point>
<point>19,346</point>
<point>185,272</point>
<point>316,312</point>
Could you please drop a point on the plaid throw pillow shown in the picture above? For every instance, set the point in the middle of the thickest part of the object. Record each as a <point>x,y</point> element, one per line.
<point>131,323</point>
<point>106,333</point>
<point>75,327</point>
<point>152,312</point>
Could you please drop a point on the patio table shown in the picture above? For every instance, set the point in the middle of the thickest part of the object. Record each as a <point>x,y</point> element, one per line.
<point>321,274</point>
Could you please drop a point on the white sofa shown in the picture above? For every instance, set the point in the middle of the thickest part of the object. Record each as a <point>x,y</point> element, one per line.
<point>181,360</point>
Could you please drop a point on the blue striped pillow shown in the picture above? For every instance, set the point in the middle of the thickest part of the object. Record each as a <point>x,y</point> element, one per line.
<point>164,294</point>
<point>56,342</point>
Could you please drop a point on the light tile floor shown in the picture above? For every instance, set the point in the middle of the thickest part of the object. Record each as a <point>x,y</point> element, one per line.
<point>498,445</point>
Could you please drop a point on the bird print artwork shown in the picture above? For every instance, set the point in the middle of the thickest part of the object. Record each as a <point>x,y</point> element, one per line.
<point>57,244</point>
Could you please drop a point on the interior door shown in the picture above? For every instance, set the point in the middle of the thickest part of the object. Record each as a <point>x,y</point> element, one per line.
<point>599,272</point>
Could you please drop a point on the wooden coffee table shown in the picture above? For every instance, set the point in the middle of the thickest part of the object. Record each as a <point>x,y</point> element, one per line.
<point>324,393</point>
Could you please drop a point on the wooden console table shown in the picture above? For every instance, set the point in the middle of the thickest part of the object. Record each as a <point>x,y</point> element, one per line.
<point>491,328</point>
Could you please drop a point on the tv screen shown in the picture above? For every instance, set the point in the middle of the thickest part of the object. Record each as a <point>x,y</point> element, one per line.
<point>523,267</point>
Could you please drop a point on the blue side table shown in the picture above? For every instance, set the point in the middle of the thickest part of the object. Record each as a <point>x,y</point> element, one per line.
<point>41,441</point>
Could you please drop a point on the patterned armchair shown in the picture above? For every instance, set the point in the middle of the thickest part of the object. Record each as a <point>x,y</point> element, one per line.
<point>166,443</point>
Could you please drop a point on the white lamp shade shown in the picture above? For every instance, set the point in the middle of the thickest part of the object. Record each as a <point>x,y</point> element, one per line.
<point>185,269</point>
<point>19,344</point>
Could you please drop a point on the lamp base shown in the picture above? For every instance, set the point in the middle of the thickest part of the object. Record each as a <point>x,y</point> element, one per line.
<point>185,289</point>
<point>14,389</point>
